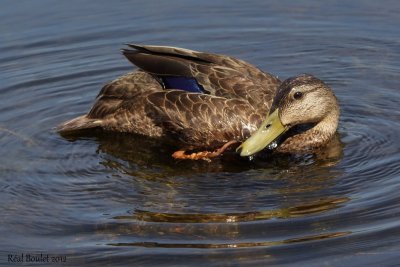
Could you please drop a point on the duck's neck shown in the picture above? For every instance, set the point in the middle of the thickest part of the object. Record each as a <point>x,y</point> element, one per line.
<point>313,138</point>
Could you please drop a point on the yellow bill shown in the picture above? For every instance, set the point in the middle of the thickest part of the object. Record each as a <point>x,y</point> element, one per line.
<point>269,130</point>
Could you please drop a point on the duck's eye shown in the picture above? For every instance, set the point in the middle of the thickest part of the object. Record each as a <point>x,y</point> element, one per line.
<point>298,95</point>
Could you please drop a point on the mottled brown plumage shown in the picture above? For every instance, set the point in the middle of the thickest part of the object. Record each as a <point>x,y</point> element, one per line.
<point>237,96</point>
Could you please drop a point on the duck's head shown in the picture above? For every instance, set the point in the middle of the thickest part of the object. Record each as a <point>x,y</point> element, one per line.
<point>301,100</point>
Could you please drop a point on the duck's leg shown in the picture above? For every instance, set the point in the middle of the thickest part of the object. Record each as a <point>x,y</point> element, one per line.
<point>205,155</point>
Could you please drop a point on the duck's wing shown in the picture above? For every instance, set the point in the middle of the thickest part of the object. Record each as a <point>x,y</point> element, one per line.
<point>239,95</point>
<point>137,103</point>
<point>202,120</point>
<point>202,57</point>
<point>216,74</point>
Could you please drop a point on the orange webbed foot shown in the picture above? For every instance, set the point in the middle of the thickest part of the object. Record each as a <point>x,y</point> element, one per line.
<point>204,155</point>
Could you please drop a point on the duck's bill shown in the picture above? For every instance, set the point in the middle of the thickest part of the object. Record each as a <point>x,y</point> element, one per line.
<point>268,132</point>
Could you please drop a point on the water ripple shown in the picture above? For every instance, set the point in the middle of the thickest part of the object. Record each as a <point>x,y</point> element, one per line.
<point>234,245</point>
<point>291,212</point>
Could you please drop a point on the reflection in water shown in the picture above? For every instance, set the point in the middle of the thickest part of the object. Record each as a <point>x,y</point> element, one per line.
<point>234,245</point>
<point>280,187</point>
<point>302,210</point>
<point>287,187</point>
<point>145,151</point>
<point>202,227</point>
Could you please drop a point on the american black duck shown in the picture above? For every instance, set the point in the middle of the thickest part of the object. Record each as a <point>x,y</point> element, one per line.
<point>208,102</point>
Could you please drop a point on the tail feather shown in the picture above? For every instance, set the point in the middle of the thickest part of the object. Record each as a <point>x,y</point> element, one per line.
<point>78,124</point>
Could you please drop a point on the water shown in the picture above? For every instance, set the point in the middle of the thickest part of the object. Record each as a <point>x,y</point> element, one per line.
<point>122,199</point>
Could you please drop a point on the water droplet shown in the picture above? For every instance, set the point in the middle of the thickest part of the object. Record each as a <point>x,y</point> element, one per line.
<point>273,145</point>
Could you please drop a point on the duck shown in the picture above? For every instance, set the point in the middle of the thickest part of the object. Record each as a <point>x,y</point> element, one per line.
<point>209,102</point>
